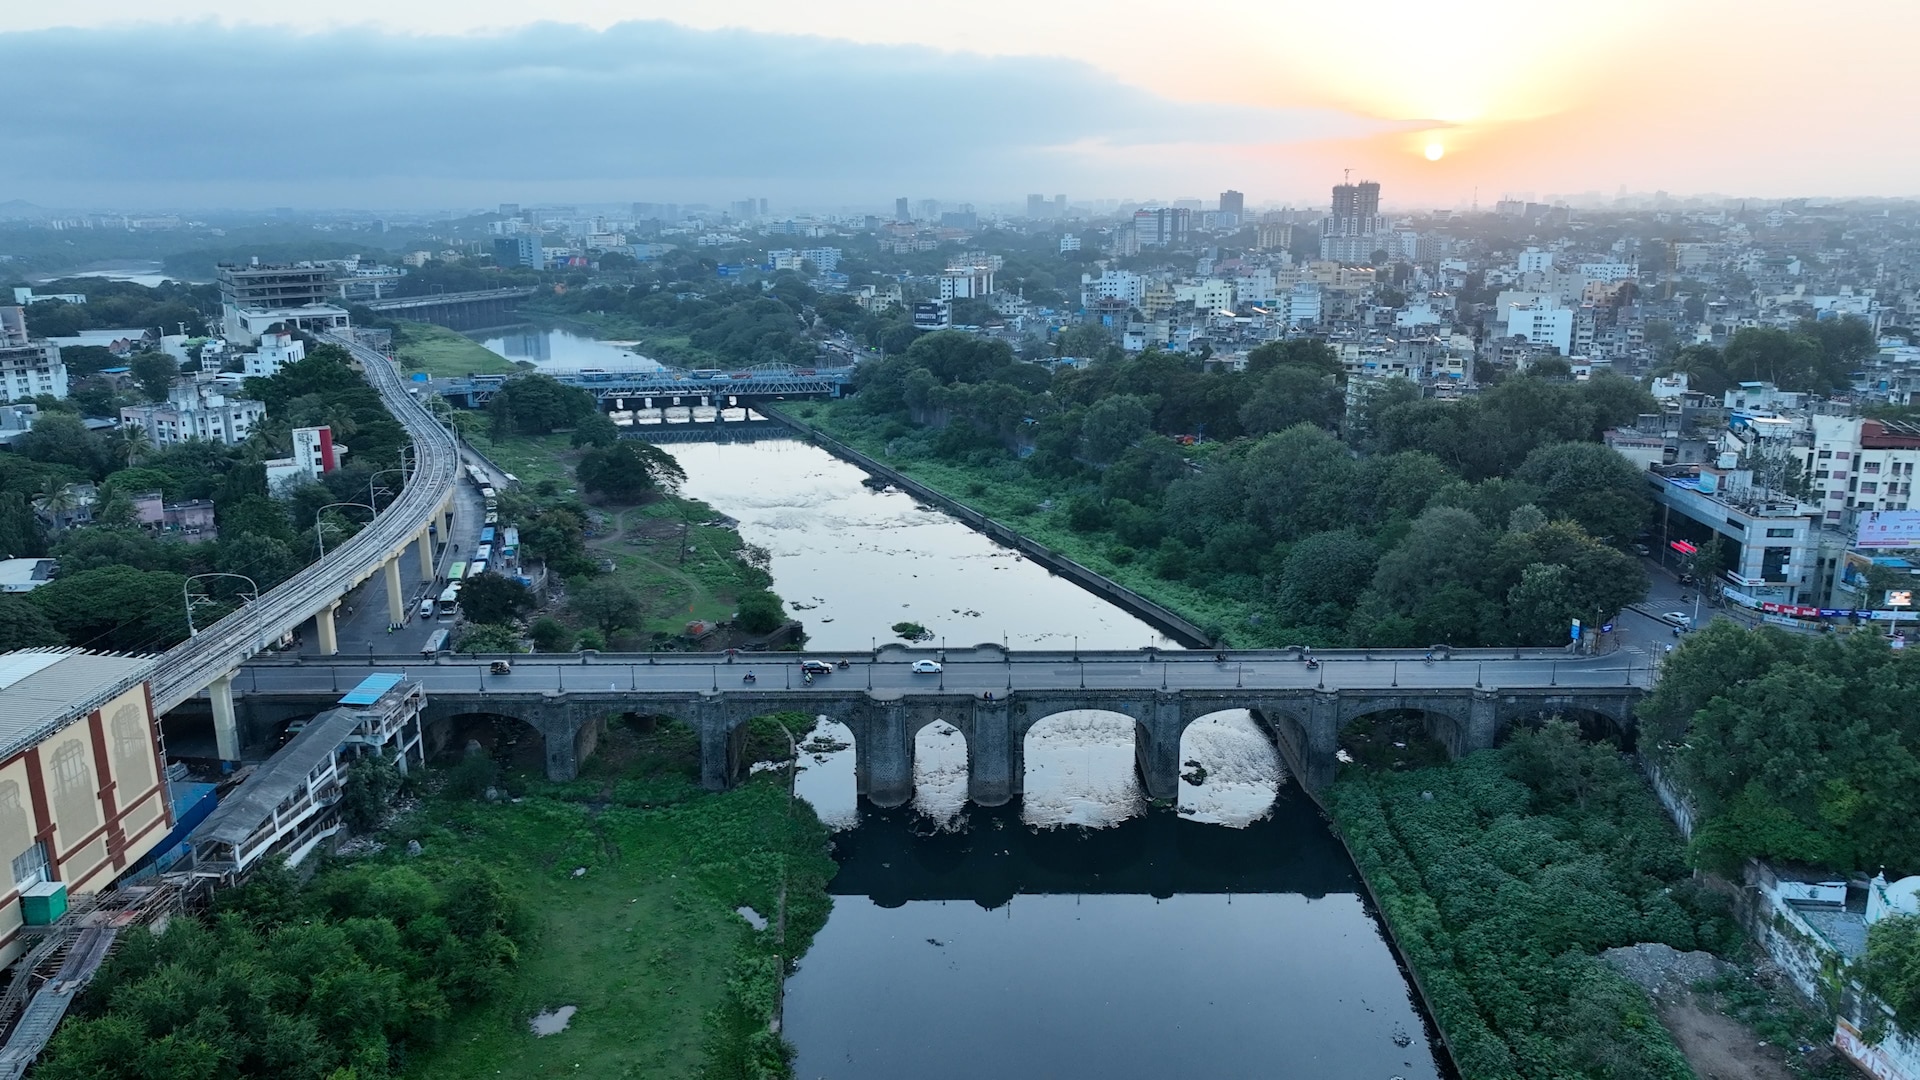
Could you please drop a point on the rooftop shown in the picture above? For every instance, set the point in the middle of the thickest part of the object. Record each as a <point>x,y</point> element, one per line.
<point>241,813</point>
<point>42,690</point>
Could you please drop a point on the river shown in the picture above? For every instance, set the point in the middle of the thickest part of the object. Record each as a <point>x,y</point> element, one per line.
<point>550,348</point>
<point>1077,932</point>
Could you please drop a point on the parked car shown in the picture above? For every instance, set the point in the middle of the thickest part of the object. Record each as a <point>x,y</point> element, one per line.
<point>1642,550</point>
<point>926,667</point>
<point>1677,618</point>
<point>816,667</point>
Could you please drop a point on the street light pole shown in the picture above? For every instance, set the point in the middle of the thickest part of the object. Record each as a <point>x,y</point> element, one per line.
<point>319,535</point>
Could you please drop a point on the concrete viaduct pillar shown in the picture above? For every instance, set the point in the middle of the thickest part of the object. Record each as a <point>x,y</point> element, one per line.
<point>396,600</point>
<point>323,628</point>
<point>884,771</point>
<point>424,544</point>
<point>226,727</point>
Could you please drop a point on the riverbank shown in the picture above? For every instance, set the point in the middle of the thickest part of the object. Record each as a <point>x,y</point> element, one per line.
<point>681,561</point>
<point>656,343</point>
<point>446,354</point>
<point>1028,508</point>
<point>1014,530</point>
<point>634,877</point>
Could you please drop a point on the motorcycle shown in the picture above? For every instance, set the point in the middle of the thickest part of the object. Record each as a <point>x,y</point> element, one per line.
<point>807,678</point>
<point>749,678</point>
<point>1428,658</point>
<point>844,665</point>
<point>1312,664</point>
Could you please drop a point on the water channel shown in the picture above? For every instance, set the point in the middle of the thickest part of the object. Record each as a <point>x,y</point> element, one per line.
<point>1077,932</point>
<point>552,349</point>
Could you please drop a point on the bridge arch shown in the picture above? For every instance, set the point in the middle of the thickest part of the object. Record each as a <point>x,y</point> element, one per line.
<point>941,770</point>
<point>511,741</point>
<point>825,776</point>
<point>1230,768</point>
<point>1082,767</point>
<point>1596,721</point>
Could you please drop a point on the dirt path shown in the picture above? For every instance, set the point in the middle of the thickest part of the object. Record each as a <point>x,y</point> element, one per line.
<point>1718,1047</point>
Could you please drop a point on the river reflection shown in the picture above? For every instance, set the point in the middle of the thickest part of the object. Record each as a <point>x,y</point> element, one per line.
<point>553,349</point>
<point>1160,947</point>
<point>1016,942</point>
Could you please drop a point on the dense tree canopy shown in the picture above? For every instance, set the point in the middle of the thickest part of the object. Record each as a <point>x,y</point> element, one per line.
<point>1794,747</point>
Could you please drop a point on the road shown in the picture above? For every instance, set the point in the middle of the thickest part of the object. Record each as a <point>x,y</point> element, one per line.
<point>968,671</point>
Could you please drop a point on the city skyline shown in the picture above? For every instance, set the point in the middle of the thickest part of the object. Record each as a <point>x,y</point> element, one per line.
<point>1653,99</point>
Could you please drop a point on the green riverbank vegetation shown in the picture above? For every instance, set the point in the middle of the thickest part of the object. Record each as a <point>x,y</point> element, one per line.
<point>645,565</point>
<point>443,353</point>
<point>1503,876</point>
<point>1228,497</point>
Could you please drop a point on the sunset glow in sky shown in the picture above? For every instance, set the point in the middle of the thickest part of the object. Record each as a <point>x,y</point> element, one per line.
<point>1436,100</point>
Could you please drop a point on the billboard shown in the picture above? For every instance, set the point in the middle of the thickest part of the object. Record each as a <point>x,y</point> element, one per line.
<point>1886,529</point>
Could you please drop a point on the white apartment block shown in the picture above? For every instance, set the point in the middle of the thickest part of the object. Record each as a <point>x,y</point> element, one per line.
<point>277,350</point>
<point>966,283</point>
<point>1068,243</point>
<point>1213,294</point>
<point>1546,325</point>
<point>197,409</point>
<point>1609,271</point>
<point>1533,261</point>
<point>27,368</point>
<point>1857,464</point>
<point>1114,285</point>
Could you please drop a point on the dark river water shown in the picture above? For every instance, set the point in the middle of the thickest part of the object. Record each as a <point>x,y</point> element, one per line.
<point>1076,932</point>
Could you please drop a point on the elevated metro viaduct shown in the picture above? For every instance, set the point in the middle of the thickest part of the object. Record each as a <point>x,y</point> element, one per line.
<point>1304,721</point>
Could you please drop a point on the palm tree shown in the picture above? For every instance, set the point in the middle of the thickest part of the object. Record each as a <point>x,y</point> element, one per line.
<point>130,445</point>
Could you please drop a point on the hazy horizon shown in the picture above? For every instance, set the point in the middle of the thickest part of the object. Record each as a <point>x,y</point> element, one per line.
<point>852,103</point>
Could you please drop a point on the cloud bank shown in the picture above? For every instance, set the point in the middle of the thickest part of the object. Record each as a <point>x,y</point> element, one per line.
<point>203,115</point>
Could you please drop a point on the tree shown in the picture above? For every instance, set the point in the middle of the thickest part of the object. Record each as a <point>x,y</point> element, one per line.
<point>155,372</point>
<point>264,559</point>
<point>760,612</point>
<point>371,783</point>
<point>628,471</point>
<point>1323,577</point>
<point>607,605</point>
<point>1891,969</point>
<point>23,625</point>
<point>61,439</point>
<point>550,635</point>
<point>595,429</point>
<point>489,638</point>
<point>1591,484</point>
<point>1083,339</point>
<point>116,607</point>
<point>1291,394</point>
<point>538,405</point>
<point>1114,424</point>
<point>494,598</point>
<point>1787,359</point>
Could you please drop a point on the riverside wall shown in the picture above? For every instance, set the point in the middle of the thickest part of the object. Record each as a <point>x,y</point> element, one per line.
<point>1159,616</point>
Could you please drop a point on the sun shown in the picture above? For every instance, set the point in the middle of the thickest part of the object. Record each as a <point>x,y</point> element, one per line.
<point>1436,151</point>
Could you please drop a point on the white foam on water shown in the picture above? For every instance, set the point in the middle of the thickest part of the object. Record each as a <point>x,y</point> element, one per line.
<point>1242,770</point>
<point>940,773</point>
<point>1081,771</point>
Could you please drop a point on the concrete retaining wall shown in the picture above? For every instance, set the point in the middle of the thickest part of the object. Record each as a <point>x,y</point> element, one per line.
<point>1161,617</point>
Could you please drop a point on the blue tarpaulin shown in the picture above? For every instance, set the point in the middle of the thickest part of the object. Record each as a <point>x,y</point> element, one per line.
<point>370,689</point>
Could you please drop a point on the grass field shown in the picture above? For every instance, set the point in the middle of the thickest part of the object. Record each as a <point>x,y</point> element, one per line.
<point>681,568</point>
<point>645,943</point>
<point>445,354</point>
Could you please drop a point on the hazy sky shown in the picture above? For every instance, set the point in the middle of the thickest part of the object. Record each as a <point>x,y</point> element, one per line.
<point>458,102</point>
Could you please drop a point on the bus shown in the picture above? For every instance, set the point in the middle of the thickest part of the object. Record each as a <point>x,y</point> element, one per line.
<point>457,571</point>
<point>487,492</point>
<point>477,475</point>
<point>436,644</point>
<point>493,518</point>
<point>486,535</point>
<point>510,543</point>
<point>450,600</point>
<point>479,567</point>
<point>483,553</point>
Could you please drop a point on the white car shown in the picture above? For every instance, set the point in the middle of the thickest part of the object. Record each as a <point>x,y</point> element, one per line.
<point>1677,618</point>
<point>926,667</point>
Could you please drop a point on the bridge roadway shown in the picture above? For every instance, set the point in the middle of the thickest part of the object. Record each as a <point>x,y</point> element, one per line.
<point>456,311</point>
<point>665,387</point>
<point>208,660</point>
<point>1467,696</point>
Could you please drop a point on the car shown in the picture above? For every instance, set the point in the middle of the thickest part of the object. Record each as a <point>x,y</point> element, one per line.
<point>816,667</point>
<point>926,667</point>
<point>1642,550</point>
<point>1677,618</point>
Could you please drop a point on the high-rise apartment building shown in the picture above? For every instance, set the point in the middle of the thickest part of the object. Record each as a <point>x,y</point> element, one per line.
<point>1233,202</point>
<point>1166,226</point>
<point>1060,207</point>
<point>900,210</point>
<point>255,296</point>
<point>1036,206</point>
<point>1351,234</point>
